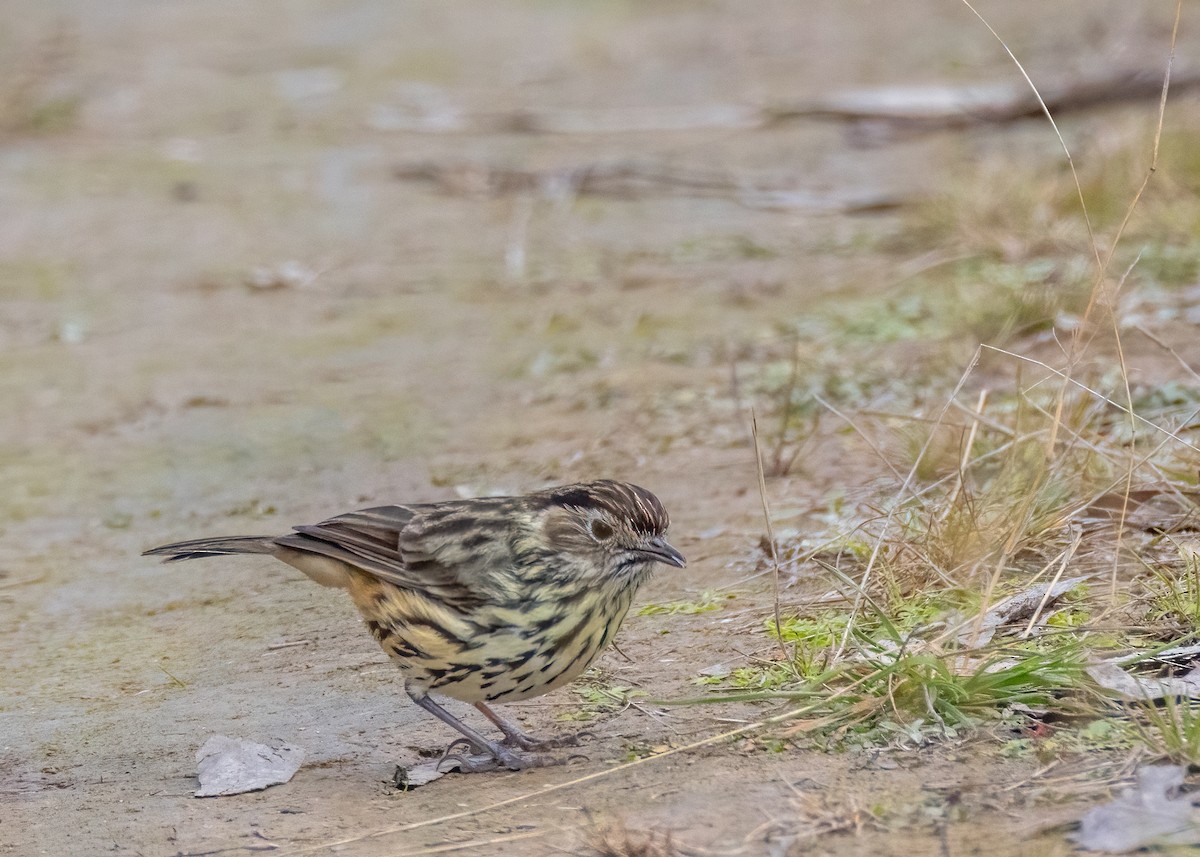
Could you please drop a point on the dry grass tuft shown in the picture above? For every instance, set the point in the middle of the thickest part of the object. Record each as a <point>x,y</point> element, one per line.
<point>1044,510</point>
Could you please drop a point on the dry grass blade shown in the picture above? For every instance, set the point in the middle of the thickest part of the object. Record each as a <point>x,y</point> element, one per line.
<point>866,437</point>
<point>774,548</point>
<point>1167,348</point>
<point>477,846</point>
<point>1053,124</point>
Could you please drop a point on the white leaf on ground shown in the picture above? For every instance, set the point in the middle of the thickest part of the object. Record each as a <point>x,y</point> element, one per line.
<point>1151,813</point>
<point>231,766</point>
<point>407,778</point>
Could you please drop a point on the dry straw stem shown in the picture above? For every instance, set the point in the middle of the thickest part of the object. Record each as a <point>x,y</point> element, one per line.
<point>1125,379</point>
<point>1062,566</point>
<point>968,446</point>
<point>762,494</point>
<point>476,846</point>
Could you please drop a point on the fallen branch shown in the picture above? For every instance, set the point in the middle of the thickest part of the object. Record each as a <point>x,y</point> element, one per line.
<point>629,180</point>
<point>911,108</point>
<point>937,107</point>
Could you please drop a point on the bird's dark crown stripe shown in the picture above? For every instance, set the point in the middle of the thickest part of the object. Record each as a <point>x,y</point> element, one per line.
<point>629,502</point>
<point>580,498</point>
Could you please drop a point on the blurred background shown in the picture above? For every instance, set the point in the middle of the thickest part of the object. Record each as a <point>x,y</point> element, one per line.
<point>263,263</point>
<point>271,244</point>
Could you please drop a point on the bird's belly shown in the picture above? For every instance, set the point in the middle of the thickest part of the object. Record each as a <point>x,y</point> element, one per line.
<point>496,654</point>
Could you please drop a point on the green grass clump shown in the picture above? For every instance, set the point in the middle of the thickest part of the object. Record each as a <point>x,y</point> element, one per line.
<point>890,683</point>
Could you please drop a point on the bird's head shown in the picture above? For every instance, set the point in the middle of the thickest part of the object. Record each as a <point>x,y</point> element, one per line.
<point>619,528</point>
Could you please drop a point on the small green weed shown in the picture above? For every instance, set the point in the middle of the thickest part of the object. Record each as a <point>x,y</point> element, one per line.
<point>705,603</point>
<point>598,699</point>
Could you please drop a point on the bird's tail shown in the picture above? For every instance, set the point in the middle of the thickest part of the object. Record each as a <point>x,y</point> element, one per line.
<point>221,546</point>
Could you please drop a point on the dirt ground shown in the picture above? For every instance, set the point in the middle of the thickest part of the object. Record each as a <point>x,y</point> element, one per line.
<point>224,313</point>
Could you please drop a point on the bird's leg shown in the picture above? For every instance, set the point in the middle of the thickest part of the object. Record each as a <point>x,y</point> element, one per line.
<point>500,756</point>
<point>514,735</point>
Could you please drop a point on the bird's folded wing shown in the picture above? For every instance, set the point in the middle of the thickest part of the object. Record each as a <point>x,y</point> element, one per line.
<point>371,540</point>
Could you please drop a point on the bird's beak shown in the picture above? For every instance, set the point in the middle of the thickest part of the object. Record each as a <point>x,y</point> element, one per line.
<point>658,550</point>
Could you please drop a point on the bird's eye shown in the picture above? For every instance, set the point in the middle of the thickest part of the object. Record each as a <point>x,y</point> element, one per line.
<point>600,530</point>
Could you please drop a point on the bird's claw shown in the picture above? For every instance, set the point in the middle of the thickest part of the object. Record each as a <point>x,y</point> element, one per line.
<point>478,762</point>
<point>464,742</point>
<point>468,764</point>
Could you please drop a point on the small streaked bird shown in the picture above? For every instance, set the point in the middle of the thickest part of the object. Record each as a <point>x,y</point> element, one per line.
<point>494,599</point>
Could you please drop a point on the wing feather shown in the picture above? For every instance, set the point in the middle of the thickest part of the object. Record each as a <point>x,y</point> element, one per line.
<point>459,553</point>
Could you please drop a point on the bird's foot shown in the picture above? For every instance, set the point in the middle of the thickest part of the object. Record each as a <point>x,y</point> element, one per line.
<point>475,760</point>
